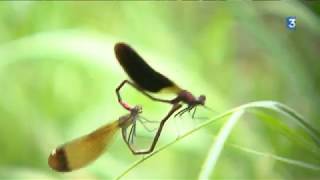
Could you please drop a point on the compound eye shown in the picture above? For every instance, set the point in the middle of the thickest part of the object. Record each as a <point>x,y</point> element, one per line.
<point>202,99</point>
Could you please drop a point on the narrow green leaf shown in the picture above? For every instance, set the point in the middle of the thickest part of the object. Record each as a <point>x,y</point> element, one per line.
<point>217,146</point>
<point>278,158</point>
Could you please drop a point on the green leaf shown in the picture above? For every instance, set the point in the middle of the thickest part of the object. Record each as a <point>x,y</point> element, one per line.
<point>218,145</point>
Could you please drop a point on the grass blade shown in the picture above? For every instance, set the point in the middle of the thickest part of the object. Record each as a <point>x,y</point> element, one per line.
<point>278,158</point>
<point>218,145</point>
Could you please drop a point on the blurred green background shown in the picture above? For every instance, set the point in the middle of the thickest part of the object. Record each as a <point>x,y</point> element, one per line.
<point>58,74</point>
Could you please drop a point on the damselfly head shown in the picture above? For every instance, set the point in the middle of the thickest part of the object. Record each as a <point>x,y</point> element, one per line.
<point>201,100</point>
<point>136,109</point>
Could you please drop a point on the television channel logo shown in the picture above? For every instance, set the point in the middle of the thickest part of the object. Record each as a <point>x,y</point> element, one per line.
<point>291,22</point>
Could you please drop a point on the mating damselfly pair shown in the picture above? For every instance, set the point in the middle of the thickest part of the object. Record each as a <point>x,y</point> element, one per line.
<point>85,149</point>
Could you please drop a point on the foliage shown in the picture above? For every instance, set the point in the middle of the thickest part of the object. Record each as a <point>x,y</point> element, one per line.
<point>58,75</point>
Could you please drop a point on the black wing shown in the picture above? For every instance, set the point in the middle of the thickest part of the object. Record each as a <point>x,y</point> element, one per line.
<point>140,72</point>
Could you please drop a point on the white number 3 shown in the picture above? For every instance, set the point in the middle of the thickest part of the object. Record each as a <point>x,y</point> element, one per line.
<point>292,23</point>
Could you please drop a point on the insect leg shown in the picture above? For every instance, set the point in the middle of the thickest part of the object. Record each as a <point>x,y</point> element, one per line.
<point>156,138</point>
<point>125,105</point>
